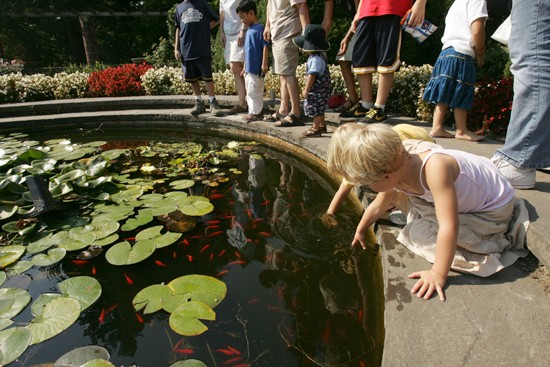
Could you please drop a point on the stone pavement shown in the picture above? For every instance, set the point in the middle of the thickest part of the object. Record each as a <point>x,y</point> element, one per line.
<point>503,320</point>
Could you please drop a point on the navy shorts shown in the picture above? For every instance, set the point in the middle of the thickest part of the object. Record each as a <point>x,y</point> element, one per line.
<point>378,45</point>
<point>197,69</point>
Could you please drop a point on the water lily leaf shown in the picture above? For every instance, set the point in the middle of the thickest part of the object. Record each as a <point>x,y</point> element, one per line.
<point>94,144</point>
<point>5,323</point>
<point>113,153</point>
<point>188,363</point>
<point>131,194</point>
<point>85,290</point>
<point>3,277</point>
<point>31,154</point>
<point>7,211</point>
<point>57,315</point>
<point>196,206</point>
<point>70,222</point>
<point>79,356</point>
<point>201,288</point>
<point>151,299</point>
<point>107,240</point>
<point>61,189</point>
<point>106,229</point>
<point>185,319</point>
<point>10,254</point>
<point>98,363</point>
<point>84,234</point>
<point>69,176</point>
<point>19,267</point>
<point>14,300</point>
<point>166,239</point>
<point>54,255</point>
<point>71,244</point>
<point>176,195</point>
<point>13,342</point>
<point>138,221</point>
<point>149,233</point>
<point>123,253</point>
<point>182,184</point>
<point>38,305</point>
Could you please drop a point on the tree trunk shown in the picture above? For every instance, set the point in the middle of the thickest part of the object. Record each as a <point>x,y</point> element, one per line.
<point>89,40</point>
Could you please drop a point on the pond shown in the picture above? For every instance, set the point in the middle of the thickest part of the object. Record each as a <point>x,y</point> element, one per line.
<point>294,292</point>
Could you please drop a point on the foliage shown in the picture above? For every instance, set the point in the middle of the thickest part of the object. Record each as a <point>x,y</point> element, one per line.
<point>124,80</point>
<point>492,118</point>
<point>408,83</point>
<point>165,80</point>
<point>10,67</point>
<point>162,54</point>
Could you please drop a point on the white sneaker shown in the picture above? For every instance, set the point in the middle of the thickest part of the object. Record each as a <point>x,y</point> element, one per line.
<point>520,178</point>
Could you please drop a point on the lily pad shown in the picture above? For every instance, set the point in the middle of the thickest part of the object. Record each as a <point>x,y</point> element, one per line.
<point>2,277</point>
<point>188,363</point>
<point>13,301</point>
<point>79,356</point>
<point>196,206</point>
<point>13,342</point>
<point>19,267</point>
<point>7,211</point>
<point>57,315</point>
<point>98,363</point>
<point>182,184</point>
<point>54,255</point>
<point>10,254</point>
<point>151,298</point>
<point>201,288</point>
<point>85,290</point>
<point>123,253</point>
<point>138,221</point>
<point>38,305</point>
<point>107,240</point>
<point>4,323</point>
<point>185,320</point>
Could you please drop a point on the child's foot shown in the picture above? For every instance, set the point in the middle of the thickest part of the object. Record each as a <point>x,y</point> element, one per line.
<point>253,117</point>
<point>324,129</point>
<point>444,134</point>
<point>236,109</point>
<point>312,132</point>
<point>199,108</point>
<point>469,136</point>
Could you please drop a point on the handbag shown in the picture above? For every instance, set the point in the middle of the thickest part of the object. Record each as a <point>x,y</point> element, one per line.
<point>502,34</point>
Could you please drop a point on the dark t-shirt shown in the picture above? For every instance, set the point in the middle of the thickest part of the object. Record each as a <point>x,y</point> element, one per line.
<point>193,18</point>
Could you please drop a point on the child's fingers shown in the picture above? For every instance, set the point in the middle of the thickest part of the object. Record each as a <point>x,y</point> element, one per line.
<point>440,292</point>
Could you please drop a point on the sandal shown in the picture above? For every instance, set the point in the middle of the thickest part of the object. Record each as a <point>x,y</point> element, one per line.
<point>274,117</point>
<point>348,105</point>
<point>312,132</point>
<point>323,129</point>
<point>294,121</point>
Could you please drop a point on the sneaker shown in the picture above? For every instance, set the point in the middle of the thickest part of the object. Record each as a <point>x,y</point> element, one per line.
<point>199,108</point>
<point>215,108</point>
<point>520,178</point>
<point>397,217</point>
<point>237,109</point>
<point>354,114</point>
<point>375,114</point>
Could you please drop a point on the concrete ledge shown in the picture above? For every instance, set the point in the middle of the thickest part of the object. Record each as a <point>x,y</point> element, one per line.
<point>503,320</point>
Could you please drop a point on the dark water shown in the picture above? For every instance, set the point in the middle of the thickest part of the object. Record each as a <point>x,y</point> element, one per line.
<point>297,295</point>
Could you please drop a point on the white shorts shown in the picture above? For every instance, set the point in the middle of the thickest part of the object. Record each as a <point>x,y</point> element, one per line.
<point>349,51</point>
<point>232,52</point>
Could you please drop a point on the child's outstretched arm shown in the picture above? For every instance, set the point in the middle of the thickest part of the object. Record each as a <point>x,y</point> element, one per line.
<point>339,197</point>
<point>441,172</point>
<point>373,212</point>
<point>478,38</point>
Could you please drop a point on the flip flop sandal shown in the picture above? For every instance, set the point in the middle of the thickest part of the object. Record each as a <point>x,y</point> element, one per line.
<point>294,121</point>
<point>274,117</point>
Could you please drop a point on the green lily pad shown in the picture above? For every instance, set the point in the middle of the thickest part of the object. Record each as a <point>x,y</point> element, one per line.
<point>10,254</point>
<point>196,206</point>
<point>13,301</point>
<point>185,320</point>
<point>113,153</point>
<point>149,233</point>
<point>151,299</point>
<point>5,323</point>
<point>188,363</point>
<point>138,221</point>
<point>81,356</point>
<point>98,363</point>
<point>85,290</point>
<point>7,210</point>
<point>13,342</point>
<point>38,305</point>
<point>123,253</point>
<point>160,240</point>
<point>182,184</point>
<point>84,234</point>
<point>201,288</point>
<point>54,255</point>
<point>107,240</point>
<point>3,277</point>
<point>69,176</point>
<point>57,315</point>
<point>19,267</point>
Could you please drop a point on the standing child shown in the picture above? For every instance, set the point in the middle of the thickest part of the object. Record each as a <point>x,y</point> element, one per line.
<point>460,209</point>
<point>454,73</point>
<point>317,89</point>
<point>193,21</point>
<point>255,63</point>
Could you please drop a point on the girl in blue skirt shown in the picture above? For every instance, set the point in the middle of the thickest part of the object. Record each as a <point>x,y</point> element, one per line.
<point>454,74</point>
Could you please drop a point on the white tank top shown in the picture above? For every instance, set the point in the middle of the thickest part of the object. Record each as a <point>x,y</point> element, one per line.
<point>479,185</point>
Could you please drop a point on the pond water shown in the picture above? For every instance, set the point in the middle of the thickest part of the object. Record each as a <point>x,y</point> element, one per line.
<point>297,295</point>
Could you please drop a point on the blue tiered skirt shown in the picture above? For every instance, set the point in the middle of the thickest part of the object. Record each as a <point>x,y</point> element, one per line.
<point>452,81</point>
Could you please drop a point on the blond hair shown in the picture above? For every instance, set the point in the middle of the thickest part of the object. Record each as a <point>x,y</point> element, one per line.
<point>363,154</point>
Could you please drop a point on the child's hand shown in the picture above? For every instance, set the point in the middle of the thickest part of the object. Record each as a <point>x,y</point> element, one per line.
<point>343,46</point>
<point>265,68</point>
<point>359,239</point>
<point>177,54</point>
<point>429,282</point>
<point>329,220</point>
<point>304,94</point>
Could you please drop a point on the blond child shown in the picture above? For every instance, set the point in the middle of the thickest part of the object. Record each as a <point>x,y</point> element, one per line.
<point>460,208</point>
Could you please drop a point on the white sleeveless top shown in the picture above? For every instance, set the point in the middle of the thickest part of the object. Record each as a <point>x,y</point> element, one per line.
<point>479,185</point>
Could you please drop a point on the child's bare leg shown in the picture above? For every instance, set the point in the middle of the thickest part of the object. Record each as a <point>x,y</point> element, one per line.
<point>462,131</point>
<point>349,81</point>
<point>318,122</point>
<point>437,124</point>
<point>210,89</point>
<point>196,88</point>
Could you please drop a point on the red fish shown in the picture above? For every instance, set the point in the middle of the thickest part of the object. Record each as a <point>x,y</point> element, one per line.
<point>223,272</point>
<point>204,248</point>
<point>102,316</point>
<point>139,318</point>
<point>190,258</point>
<point>128,279</point>
<point>213,227</point>
<point>217,233</point>
<point>237,262</point>
<point>211,257</point>
<point>237,254</point>
<point>265,234</point>
<point>216,196</point>
<point>225,351</point>
<point>160,263</point>
<point>79,262</point>
<point>221,253</point>
<point>235,351</point>
<point>112,308</point>
<point>186,242</point>
<point>213,222</point>
<point>186,351</point>
<point>254,300</point>
<point>93,270</point>
<point>233,360</point>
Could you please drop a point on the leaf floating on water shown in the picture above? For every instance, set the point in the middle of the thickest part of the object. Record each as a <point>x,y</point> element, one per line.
<point>185,320</point>
<point>13,342</point>
<point>85,290</point>
<point>188,363</point>
<point>82,356</point>
<point>13,301</point>
<point>57,315</point>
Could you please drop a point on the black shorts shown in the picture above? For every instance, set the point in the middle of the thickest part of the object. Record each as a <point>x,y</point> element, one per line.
<point>197,69</point>
<point>378,44</point>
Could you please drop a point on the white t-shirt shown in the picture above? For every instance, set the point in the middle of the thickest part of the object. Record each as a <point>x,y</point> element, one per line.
<point>231,22</point>
<point>460,17</point>
<point>284,18</point>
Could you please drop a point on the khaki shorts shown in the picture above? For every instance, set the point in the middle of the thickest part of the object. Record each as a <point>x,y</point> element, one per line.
<point>285,57</point>
<point>232,52</point>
